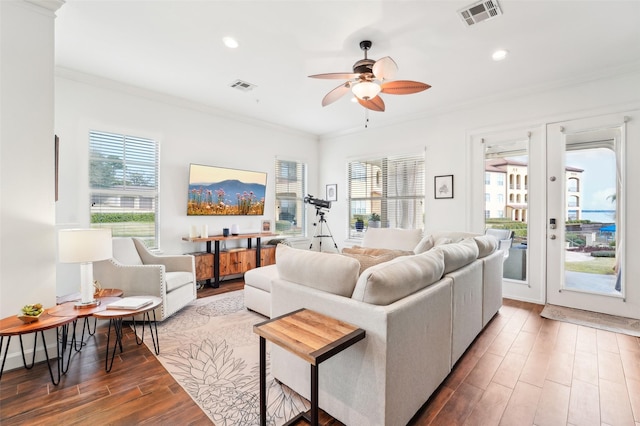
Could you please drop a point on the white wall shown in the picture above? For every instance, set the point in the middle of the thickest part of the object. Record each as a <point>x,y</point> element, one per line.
<point>27,238</point>
<point>187,134</point>
<point>447,137</point>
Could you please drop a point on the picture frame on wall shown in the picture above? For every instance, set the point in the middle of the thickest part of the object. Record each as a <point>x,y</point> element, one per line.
<point>266,226</point>
<point>332,192</point>
<point>443,186</point>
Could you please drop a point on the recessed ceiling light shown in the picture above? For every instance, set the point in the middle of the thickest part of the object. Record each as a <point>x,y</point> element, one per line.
<point>499,55</point>
<point>230,42</point>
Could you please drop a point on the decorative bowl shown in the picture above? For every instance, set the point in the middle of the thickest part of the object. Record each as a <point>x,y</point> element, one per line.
<point>27,319</point>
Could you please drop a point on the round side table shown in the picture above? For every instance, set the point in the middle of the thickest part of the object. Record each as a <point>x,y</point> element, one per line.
<point>115,317</point>
<point>13,326</point>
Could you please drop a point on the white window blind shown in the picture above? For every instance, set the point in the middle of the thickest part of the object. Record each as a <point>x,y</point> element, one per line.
<point>123,180</point>
<point>291,186</point>
<point>392,187</point>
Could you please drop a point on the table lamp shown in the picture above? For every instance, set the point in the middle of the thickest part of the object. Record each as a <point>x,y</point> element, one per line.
<point>85,246</point>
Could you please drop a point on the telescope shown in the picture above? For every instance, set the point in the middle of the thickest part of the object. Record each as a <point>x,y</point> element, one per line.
<point>318,203</point>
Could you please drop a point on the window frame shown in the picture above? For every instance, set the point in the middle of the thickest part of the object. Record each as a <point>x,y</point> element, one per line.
<point>132,163</point>
<point>377,183</point>
<point>298,226</point>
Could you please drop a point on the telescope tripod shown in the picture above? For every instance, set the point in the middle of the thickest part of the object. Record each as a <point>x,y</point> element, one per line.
<point>320,231</point>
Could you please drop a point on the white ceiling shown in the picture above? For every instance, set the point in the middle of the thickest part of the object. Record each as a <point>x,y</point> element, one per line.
<point>175,48</point>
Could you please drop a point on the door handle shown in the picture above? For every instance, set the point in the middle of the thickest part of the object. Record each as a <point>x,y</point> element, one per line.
<point>553,237</point>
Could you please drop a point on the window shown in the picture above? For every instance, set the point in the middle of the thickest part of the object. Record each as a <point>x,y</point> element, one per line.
<point>392,187</point>
<point>500,179</point>
<point>500,198</point>
<point>291,188</point>
<point>487,197</point>
<point>487,178</point>
<point>123,182</point>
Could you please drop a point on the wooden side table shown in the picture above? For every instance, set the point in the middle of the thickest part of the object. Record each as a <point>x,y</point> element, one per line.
<point>13,326</point>
<point>115,317</point>
<point>70,309</point>
<point>312,336</point>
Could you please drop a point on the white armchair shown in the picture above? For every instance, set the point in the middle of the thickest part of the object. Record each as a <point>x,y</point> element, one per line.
<point>137,271</point>
<point>504,237</point>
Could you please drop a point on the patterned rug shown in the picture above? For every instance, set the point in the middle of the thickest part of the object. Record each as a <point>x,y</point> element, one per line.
<point>614,323</point>
<point>210,348</point>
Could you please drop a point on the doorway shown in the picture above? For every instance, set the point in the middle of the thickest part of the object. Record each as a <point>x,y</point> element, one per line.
<point>585,220</point>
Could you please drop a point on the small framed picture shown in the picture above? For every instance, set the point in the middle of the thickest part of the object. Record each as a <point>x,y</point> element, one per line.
<point>332,192</point>
<point>443,186</point>
<point>266,226</point>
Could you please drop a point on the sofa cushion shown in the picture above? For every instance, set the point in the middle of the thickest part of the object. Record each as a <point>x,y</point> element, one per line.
<point>459,254</point>
<point>329,272</point>
<point>261,277</point>
<point>177,280</point>
<point>392,238</point>
<point>442,240</point>
<point>426,243</point>
<point>376,251</point>
<point>487,244</point>
<point>388,282</point>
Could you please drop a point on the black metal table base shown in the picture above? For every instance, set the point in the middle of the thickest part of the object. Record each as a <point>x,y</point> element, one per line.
<point>117,327</point>
<point>61,344</point>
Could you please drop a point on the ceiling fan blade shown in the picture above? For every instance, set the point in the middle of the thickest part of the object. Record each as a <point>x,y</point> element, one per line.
<point>403,87</point>
<point>375,104</point>
<point>385,68</point>
<point>336,75</point>
<point>336,93</point>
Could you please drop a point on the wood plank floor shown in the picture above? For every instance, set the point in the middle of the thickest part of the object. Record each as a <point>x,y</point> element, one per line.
<point>521,370</point>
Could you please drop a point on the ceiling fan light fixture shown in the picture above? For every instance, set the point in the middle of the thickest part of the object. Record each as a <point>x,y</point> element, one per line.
<point>365,90</point>
<point>500,55</point>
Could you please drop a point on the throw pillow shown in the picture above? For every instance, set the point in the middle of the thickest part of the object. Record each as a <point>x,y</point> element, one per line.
<point>425,244</point>
<point>392,238</point>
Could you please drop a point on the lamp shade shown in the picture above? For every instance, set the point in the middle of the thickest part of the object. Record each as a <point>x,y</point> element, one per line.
<point>84,245</point>
<point>366,90</point>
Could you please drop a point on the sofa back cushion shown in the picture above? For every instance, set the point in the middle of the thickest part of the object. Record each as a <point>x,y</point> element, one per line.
<point>459,254</point>
<point>388,282</point>
<point>328,272</point>
<point>125,252</point>
<point>425,244</point>
<point>487,244</point>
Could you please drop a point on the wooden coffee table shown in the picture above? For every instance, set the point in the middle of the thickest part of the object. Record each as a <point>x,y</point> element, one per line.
<point>116,316</point>
<point>312,336</point>
<point>13,326</point>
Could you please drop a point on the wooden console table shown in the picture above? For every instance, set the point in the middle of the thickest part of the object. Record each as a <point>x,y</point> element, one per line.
<point>216,251</point>
<point>312,336</point>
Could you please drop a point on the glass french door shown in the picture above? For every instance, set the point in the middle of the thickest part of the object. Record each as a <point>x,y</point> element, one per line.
<point>585,223</point>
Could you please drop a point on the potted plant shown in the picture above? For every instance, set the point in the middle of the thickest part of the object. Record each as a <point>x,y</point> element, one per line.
<point>374,220</point>
<point>359,224</point>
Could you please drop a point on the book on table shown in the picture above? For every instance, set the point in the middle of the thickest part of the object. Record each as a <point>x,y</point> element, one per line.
<point>130,303</point>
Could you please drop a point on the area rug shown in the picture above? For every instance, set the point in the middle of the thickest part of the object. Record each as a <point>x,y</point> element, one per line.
<point>210,348</point>
<point>613,323</point>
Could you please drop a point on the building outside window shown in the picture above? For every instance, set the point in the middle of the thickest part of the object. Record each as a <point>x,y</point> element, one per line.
<point>291,188</point>
<point>392,187</point>
<point>123,182</point>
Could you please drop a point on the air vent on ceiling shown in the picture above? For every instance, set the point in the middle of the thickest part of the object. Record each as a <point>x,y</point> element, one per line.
<point>480,11</point>
<point>242,85</point>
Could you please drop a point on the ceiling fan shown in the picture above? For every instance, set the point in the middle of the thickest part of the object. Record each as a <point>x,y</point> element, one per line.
<point>368,79</point>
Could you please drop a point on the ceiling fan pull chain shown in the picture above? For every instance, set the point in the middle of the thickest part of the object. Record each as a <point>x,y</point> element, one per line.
<point>366,118</point>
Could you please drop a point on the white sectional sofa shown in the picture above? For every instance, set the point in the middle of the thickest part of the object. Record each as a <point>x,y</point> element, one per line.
<point>420,312</point>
